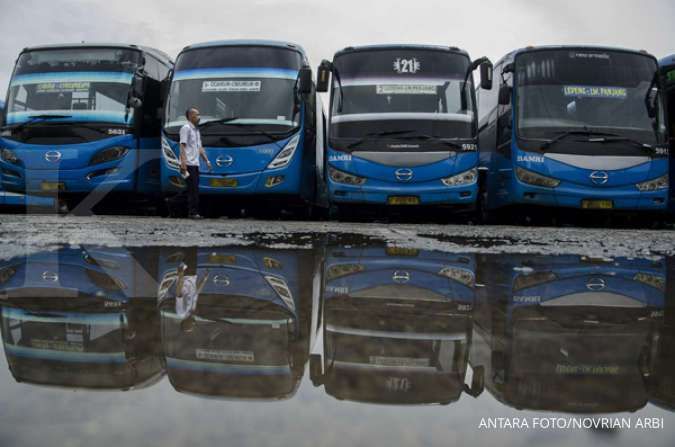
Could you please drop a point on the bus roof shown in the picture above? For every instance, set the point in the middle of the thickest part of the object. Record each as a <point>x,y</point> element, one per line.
<point>248,42</point>
<point>667,61</point>
<point>162,56</point>
<point>514,53</point>
<point>355,49</point>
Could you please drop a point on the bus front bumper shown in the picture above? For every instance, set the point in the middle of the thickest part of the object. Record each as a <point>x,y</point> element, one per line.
<point>383,193</point>
<point>623,198</point>
<point>283,181</point>
<point>106,177</point>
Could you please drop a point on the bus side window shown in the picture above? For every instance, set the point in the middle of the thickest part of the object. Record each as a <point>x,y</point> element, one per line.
<point>504,120</point>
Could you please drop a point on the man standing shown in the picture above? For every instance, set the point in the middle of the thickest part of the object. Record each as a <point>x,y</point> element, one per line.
<point>190,150</point>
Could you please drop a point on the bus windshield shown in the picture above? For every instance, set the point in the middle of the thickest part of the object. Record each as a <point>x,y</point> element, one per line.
<point>248,86</point>
<point>399,90</point>
<point>80,84</point>
<point>586,90</point>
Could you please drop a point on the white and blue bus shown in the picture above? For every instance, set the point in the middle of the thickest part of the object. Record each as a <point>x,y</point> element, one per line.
<point>402,126</point>
<point>574,128</point>
<point>83,119</point>
<point>258,121</point>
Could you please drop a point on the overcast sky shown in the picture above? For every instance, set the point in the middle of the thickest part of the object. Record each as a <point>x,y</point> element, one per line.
<point>323,27</point>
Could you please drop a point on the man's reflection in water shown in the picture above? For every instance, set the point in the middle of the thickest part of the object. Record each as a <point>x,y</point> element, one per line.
<point>188,288</point>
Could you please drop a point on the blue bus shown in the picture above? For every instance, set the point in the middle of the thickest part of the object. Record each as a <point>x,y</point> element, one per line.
<point>396,326</point>
<point>84,120</point>
<point>81,317</point>
<point>259,114</point>
<point>238,326</point>
<point>667,66</point>
<point>568,333</point>
<point>402,126</point>
<point>575,128</point>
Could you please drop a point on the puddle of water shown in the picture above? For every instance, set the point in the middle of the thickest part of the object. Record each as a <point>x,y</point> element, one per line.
<point>349,344</point>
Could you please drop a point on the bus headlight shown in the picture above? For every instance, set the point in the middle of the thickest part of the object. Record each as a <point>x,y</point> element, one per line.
<point>9,156</point>
<point>653,185</point>
<point>341,270</point>
<point>464,178</point>
<point>284,157</point>
<point>656,281</point>
<point>6,274</point>
<point>532,178</point>
<point>109,154</point>
<point>525,281</point>
<point>342,177</point>
<point>282,289</point>
<point>169,154</point>
<point>462,276</point>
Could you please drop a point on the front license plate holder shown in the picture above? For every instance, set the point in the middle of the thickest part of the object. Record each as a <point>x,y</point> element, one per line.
<point>597,204</point>
<point>403,200</point>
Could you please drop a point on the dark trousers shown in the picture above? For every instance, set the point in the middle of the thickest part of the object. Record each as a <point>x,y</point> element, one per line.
<point>193,190</point>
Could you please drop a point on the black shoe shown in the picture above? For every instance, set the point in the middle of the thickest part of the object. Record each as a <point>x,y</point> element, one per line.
<point>194,216</point>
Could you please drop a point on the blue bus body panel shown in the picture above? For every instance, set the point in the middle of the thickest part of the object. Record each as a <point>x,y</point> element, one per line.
<point>381,182</point>
<point>13,199</point>
<point>504,188</point>
<point>572,276</point>
<point>377,268</point>
<point>73,168</point>
<point>248,168</point>
<point>245,272</point>
<point>74,269</point>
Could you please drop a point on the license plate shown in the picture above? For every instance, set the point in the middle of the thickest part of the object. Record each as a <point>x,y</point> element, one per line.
<point>597,204</point>
<point>401,251</point>
<point>224,182</point>
<point>53,186</point>
<point>403,200</point>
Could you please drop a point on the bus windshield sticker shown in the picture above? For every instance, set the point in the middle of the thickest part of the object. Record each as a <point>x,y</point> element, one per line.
<point>603,56</point>
<point>62,87</point>
<point>403,65</point>
<point>231,86</point>
<point>407,89</point>
<point>579,91</point>
<point>225,356</point>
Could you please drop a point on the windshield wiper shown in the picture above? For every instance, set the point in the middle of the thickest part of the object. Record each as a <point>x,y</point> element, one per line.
<point>218,121</point>
<point>33,119</point>
<point>648,148</point>
<point>272,137</point>
<point>568,133</point>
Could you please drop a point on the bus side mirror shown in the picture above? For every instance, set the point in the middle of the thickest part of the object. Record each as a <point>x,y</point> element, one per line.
<point>651,102</point>
<point>164,86</point>
<point>305,80</point>
<point>505,95</point>
<point>134,102</point>
<point>323,76</point>
<point>486,74</point>
<point>477,382</point>
<point>138,83</point>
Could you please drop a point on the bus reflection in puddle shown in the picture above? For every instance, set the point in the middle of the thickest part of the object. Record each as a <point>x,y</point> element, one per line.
<point>234,321</point>
<point>396,326</point>
<point>76,318</point>
<point>569,333</point>
<point>375,324</point>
